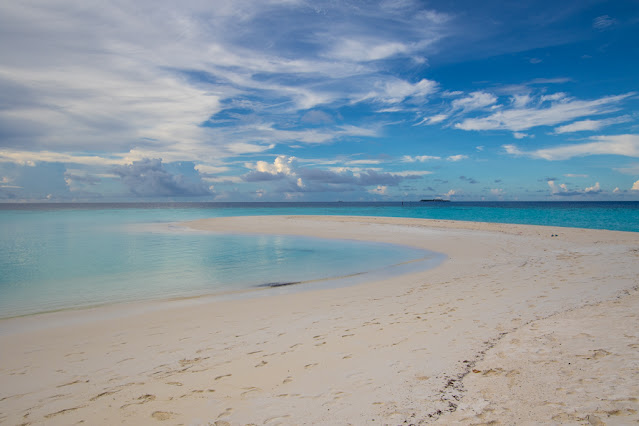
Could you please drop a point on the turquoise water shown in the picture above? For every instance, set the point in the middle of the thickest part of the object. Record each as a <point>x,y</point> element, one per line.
<point>59,256</point>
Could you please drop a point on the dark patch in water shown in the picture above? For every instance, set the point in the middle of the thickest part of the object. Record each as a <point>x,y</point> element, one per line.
<point>279,284</point>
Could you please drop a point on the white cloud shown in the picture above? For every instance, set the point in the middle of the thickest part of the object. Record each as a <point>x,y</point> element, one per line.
<point>521,100</point>
<point>394,91</point>
<point>458,157</point>
<point>519,135</point>
<point>281,165</point>
<point>355,162</point>
<point>562,189</point>
<point>572,175</point>
<point>144,77</point>
<point>223,179</point>
<point>6,182</point>
<point>591,125</point>
<point>420,158</point>
<point>367,50</point>
<point>29,158</point>
<point>625,145</point>
<point>438,118</point>
<point>594,188</point>
<point>408,173</point>
<point>208,169</point>
<point>554,97</point>
<point>635,186</point>
<point>616,190</point>
<point>518,119</point>
<point>475,100</point>
<point>579,126</point>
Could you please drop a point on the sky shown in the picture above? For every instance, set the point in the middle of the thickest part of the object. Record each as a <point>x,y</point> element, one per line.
<point>295,100</point>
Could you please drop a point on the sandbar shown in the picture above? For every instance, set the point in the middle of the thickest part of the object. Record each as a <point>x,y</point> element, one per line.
<point>520,325</point>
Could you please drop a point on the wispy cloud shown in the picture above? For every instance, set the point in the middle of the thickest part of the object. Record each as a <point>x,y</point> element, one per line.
<point>458,157</point>
<point>518,119</point>
<point>152,76</point>
<point>624,145</point>
<point>591,125</point>
<point>603,22</point>
<point>474,101</point>
<point>420,158</point>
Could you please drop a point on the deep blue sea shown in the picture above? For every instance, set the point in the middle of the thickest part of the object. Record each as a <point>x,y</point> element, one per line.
<point>60,256</point>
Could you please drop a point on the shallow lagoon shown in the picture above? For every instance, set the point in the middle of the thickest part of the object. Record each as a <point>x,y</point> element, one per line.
<point>60,259</point>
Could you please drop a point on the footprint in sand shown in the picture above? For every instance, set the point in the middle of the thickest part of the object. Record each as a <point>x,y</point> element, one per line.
<point>226,412</point>
<point>161,415</point>
<point>250,390</point>
<point>276,418</point>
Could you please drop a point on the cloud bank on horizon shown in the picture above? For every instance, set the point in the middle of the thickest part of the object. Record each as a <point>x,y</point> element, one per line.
<point>240,100</point>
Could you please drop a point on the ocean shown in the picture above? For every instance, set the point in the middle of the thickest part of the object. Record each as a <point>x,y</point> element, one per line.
<point>61,256</point>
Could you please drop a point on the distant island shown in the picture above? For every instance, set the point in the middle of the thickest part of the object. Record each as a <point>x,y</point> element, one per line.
<point>435,200</point>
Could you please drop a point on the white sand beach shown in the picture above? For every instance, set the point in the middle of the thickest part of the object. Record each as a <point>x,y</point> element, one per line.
<point>517,326</point>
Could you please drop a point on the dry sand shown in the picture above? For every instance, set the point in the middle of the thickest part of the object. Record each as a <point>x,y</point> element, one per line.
<point>516,327</point>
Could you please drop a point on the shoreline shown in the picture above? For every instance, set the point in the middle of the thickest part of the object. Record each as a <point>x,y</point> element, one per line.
<point>390,350</point>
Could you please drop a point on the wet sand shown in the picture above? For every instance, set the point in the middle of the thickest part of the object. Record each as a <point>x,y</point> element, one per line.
<point>517,326</point>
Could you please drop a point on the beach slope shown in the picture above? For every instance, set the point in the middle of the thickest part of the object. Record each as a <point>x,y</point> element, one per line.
<point>521,324</point>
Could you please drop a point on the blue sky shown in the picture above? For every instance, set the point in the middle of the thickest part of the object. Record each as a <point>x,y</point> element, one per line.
<point>278,100</point>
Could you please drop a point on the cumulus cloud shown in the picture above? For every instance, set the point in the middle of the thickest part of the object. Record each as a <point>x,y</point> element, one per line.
<point>451,193</point>
<point>625,145</point>
<point>291,177</point>
<point>150,178</point>
<point>458,157</point>
<point>594,189</point>
<point>563,191</point>
<point>635,186</point>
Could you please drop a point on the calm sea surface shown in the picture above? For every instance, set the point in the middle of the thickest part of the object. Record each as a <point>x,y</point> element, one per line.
<point>57,256</point>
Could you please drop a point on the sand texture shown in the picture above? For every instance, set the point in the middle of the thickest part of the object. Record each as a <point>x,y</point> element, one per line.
<point>515,327</point>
